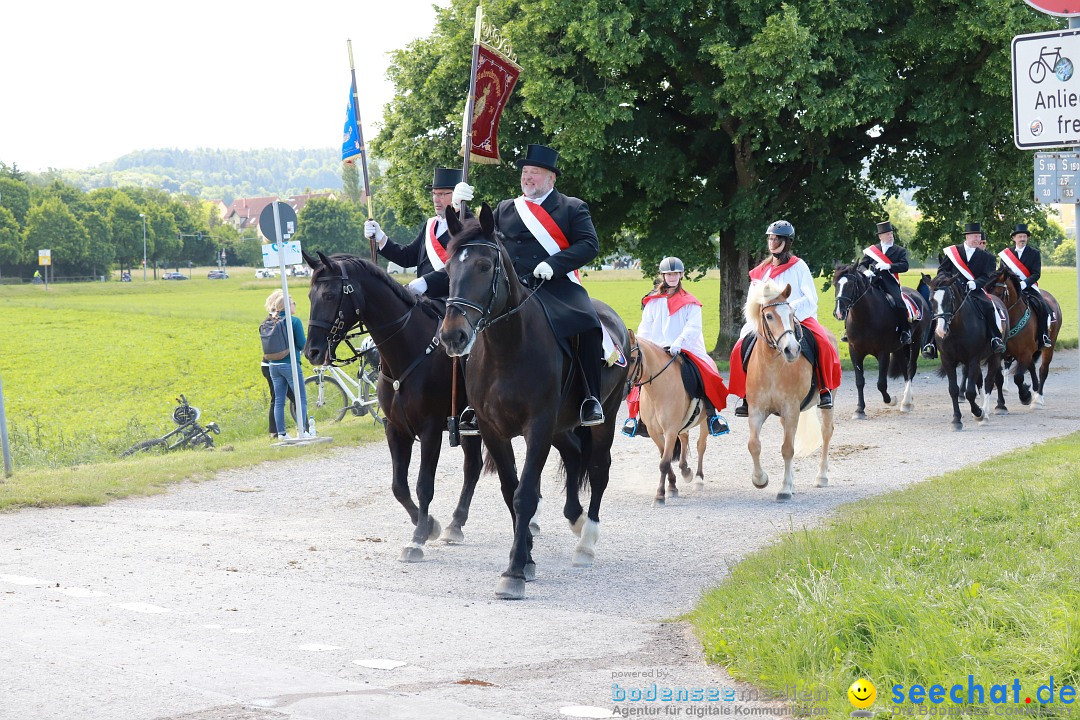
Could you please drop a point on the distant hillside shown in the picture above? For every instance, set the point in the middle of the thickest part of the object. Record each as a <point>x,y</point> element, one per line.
<point>218,174</point>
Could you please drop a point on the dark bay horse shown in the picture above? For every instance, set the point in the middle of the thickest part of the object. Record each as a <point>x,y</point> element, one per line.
<point>414,379</point>
<point>1023,346</point>
<point>962,341</point>
<point>870,324</point>
<point>521,383</point>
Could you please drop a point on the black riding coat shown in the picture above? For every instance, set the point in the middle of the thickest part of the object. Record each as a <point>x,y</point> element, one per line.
<point>981,265</point>
<point>1032,260</point>
<point>415,254</point>
<point>568,307</point>
<point>897,256</point>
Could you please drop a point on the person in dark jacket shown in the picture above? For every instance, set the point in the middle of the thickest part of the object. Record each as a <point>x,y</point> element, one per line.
<point>1025,264</point>
<point>885,261</point>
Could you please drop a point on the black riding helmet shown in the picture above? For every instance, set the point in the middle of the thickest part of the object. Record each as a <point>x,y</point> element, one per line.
<point>782,229</point>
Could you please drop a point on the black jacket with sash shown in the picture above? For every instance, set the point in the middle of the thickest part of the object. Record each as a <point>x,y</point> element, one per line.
<point>415,254</point>
<point>567,304</point>
<point>1032,260</point>
<point>981,265</point>
<point>897,256</point>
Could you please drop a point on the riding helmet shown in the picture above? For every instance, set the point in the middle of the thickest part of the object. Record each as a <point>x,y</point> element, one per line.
<point>671,264</point>
<point>781,228</point>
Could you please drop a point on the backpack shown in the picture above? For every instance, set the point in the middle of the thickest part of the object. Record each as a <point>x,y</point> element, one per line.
<point>275,338</point>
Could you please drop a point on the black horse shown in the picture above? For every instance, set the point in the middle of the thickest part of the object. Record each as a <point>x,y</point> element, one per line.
<point>870,325</point>
<point>521,383</point>
<point>962,340</point>
<point>414,380</point>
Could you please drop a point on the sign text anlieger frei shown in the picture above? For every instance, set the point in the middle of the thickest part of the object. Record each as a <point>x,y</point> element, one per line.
<point>1046,89</point>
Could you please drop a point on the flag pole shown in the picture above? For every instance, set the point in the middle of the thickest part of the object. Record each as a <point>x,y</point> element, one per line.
<point>363,148</point>
<point>466,132</point>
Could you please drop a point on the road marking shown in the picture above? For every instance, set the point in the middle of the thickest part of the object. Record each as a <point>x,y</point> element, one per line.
<point>379,663</point>
<point>81,592</point>
<point>20,580</point>
<point>141,608</point>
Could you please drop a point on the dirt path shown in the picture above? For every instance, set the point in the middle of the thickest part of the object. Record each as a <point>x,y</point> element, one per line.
<point>265,593</point>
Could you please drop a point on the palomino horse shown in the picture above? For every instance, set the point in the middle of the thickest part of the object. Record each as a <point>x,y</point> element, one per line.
<point>962,340</point>
<point>869,321</point>
<point>1023,346</point>
<point>668,411</point>
<point>414,379</point>
<point>520,382</point>
<point>779,381</point>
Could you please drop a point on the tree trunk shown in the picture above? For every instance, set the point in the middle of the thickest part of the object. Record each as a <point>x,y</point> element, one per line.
<point>734,282</point>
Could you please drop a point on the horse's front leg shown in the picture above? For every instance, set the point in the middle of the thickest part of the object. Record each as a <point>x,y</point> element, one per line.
<point>954,393</point>
<point>755,421</point>
<point>684,458</point>
<point>427,527</point>
<point>860,384</point>
<point>702,441</point>
<point>911,366</point>
<point>883,378</point>
<point>1020,378</point>
<point>826,437</point>
<point>790,420</point>
<point>667,454</point>
<point>472,447</point>
<point>511,585</point>
<point>973,387</point>
<point>598,461</point>
<point>400,444</point>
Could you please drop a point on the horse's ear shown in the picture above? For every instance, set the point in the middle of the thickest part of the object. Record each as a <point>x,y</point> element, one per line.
<point>325,260</point>
<point>453,224</point>
<point>787,291</point>
<point>312,262</point>
<point>487,219</point>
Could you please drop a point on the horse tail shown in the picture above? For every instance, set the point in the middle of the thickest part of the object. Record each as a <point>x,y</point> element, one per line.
<point>808,433</point>
<point>898,361</point>
<point>585,436</point>
<point>490,467</point>
<point>678,449</point>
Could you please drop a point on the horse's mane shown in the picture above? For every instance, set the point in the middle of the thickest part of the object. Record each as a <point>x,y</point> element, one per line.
<point>376,271</point>
<point>760,294</point>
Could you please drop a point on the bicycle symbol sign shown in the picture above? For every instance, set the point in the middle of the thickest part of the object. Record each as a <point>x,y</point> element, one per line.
<point>1046,89</point>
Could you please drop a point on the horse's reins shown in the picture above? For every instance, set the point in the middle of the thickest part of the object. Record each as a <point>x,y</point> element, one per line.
<point>461,304</point>
<point>639,369</point>
<point>947,317</point>
<point>852,303</point>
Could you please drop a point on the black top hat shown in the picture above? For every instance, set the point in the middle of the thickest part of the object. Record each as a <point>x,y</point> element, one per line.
<point>445,178</point>
<point>972,228</point>
<point>884,227</point>
<point>1020,228</point>
<point>540,156</point>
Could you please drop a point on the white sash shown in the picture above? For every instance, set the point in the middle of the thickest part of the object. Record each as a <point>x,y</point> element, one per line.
<point>430,242</point>
<point>1015,264</point>
<point>534,226</point>
<point>875,253</point>
<point>953,253</point>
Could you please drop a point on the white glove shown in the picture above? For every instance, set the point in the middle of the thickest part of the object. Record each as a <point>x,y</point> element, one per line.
<point>543,271</point>
<point>868,272</point>
<point>882,265</point>
<point>463,192</point>
<point>372,230</point>
<point>674,349</point>
<point>1023,284</point>
<point>971,284</point>
<point>418,286</point>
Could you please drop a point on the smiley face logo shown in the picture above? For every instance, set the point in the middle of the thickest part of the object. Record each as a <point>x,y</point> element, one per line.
<point>862,693</point>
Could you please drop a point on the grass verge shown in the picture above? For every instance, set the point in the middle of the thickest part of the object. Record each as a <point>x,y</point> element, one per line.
<point>971,573</point>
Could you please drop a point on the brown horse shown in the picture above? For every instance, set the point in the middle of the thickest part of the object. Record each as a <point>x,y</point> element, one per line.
<point>1023,346</point>
<point>779,381</point>
<point>668,411</point>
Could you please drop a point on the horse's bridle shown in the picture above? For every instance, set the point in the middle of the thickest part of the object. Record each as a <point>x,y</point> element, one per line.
<point>337,330</point>
<point>770,339</point>
<point>948,316</point>
<point>859,278</point>
<point>484,321</point>
<point>639,368</point>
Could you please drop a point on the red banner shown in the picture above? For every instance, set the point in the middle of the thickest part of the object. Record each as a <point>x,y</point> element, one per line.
<point>495,79</point>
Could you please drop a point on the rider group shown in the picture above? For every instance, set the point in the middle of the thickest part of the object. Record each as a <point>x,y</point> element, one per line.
<point>549,236</point>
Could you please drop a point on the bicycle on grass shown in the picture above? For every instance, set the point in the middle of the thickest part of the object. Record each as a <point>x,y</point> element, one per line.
<point>332,393</point>
<point>188,433</point>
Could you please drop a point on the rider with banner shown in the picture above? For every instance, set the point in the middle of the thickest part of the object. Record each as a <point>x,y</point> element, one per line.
<point>785,268</point>
<point>976,267</point>
<point>1025,263</point>
<point>886,260</point>
<point>428,251</point>
<point>675,324</point>
<point>549,236</point>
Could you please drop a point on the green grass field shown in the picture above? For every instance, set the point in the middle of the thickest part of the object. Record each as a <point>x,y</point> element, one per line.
<point>970,573</point>
<point>89,369</point>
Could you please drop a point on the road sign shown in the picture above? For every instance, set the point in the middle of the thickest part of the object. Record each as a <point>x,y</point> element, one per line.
<point>1046,89</point>
<point>1057,178</point>
<point>1061,8</point>
<point>288,222</point>
<point>292,254</point>
<point>44,257</point>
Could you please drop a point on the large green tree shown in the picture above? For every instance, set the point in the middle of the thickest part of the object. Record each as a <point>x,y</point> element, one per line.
<point>11,241</point>
<point>15,196</point>
<point>690,124</point>
<point>332,226</point>
<point>50,225</point>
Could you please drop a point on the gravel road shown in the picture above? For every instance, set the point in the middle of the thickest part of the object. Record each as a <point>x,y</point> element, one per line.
<point>271,592</point>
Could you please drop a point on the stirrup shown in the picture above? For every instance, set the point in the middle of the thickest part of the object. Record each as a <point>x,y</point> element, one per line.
<point>996,343</point>
<point>905,337</point>
<point>718,425</point>
<point>1046,341</point>
<point>929,351</point>
<point>629,428</point>
<point>825,400</point>
<point>467,422</point>
<point>593,418</point>
<point>742,409</point>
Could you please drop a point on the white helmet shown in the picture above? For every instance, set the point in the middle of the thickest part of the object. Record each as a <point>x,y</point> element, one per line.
<point>671,264</point>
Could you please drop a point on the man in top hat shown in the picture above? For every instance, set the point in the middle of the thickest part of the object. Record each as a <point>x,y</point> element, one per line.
<point>976,267</point>
<point>549,236</point>
<point>428,251</point>
<point>886,260</point>
<point>1025,263</point>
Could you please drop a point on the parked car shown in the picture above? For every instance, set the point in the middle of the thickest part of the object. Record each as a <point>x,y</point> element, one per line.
<point>299,271</point>
<point>217,275</point>
<point>174,276</point>
<point>265,273</point>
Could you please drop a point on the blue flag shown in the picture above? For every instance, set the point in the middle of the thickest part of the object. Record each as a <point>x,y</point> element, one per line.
<point>350,141</point>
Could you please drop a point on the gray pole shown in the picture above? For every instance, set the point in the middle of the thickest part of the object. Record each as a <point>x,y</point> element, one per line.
<point>143,216</point>
<point>1074,22</point>
<point>301,422</point>
<point>3,435</point>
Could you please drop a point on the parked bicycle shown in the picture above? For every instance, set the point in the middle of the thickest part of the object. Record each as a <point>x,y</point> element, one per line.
<point>188,433</point>
<point>333,393</point>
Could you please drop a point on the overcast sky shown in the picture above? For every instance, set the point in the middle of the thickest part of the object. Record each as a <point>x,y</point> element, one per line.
<point>82,83</point>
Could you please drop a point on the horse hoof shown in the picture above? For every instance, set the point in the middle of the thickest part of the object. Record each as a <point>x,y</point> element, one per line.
<point>907,407</point>
<point>509,588</point>
<point>411,553</point>
<point>452,535</point>
<point>858,415</point>
<point>435,530</point>
<point>957,426</point>
<point>783,496</point>
<point>977,412</point>
<point>578,524</point>
<point>582,559</point>
<point>530,571</point>
<point>822,481</point>
<point>764,481</point>
<point>1001,411</point>
<point>673,492</point>
<point>891,401</point>
<point>658,502</point>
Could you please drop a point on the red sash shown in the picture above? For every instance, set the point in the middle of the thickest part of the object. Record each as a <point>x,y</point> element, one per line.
<point>435,251</point>
<point>953,253</point>
<point>543,227</point>
<point>876,253</point>
<point>675,302</point>
<point>1013,263</point>
<point>766,270</point>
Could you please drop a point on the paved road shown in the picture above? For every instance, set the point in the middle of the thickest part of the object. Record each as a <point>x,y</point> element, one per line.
<point>270,592</point>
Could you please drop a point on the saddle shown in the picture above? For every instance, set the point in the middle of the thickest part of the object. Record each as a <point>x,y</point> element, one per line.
<point>809,348</point>
<point>691,380</point>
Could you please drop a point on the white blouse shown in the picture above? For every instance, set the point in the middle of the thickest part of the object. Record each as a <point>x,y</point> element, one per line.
<point>683,328</point>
